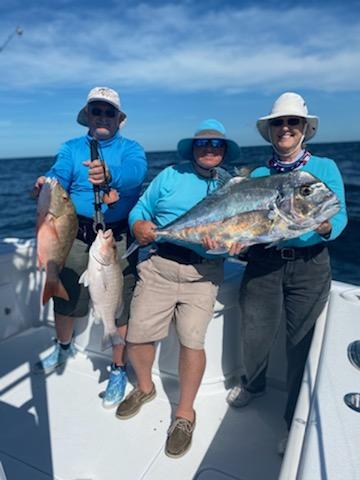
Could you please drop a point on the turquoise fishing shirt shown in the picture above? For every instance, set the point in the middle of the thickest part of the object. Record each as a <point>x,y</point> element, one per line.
<point>126,162</point>
<point>327,171</point>
<point>171,194</point>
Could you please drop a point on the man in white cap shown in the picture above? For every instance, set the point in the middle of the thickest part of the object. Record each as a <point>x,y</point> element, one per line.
<point>176,283</point>
<point>295,275</point>
<point>122,166</point>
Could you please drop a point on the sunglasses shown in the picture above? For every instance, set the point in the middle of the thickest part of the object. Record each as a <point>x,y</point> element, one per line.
<point>291,122</point>
<point>97,112</point>
<point>209,142</point>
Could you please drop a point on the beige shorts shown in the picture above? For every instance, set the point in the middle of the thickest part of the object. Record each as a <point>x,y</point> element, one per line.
<point>168,291</point>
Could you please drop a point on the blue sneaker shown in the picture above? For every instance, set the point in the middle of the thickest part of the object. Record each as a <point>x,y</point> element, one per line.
<point>57,357</point>
<point>115,389</point>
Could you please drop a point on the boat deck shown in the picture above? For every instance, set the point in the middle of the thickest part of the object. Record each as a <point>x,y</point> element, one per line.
<point>55,427</point>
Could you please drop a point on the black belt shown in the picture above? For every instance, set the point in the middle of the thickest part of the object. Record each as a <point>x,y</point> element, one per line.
<point>286,253</point>
<point>179,254</point>
<point>86,229</point>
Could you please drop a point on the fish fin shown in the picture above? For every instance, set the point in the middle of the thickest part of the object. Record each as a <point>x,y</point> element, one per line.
<point>245,170</point>
<point>84,279</point>
<point>52,289</point>
<point>106,342</point>
<point>111,339</point>
<point>305,224</point>
<point>39,263</point>
<point>103,280</point>
<point>222,176</point>
<point>131,249</point>
<point>218,251</point>
<point>275,244</point>
<point>224,188</point>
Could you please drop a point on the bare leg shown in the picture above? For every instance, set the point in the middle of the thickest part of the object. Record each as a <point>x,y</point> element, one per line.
<point>142,357</point>
<point>191,370</point>
<point>64,327</point>
<point>118,351</point>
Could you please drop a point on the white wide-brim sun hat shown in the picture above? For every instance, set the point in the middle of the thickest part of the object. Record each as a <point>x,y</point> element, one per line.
<point>209,128</point>
<point>101,94</point>
<point>293,105</point>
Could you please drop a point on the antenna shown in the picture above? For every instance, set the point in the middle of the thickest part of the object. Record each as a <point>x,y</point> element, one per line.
<point>18,31</point>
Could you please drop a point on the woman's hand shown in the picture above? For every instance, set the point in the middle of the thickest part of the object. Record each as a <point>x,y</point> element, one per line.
<point>324,228</point>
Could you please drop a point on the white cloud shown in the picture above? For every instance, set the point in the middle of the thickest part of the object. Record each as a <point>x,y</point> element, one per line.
<point>185,47</point>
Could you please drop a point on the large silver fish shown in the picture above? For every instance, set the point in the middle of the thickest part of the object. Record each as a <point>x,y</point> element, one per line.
<point>255,210</point>
<point>105,281</point>
<point>56,229</point>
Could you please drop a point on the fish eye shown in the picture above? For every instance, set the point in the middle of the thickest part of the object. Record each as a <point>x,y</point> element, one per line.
<point>305,190</point>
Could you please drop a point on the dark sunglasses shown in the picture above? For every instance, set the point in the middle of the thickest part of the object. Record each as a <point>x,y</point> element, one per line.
<point>292,122</point>
<point>97,112</point>
<point>209,142</point>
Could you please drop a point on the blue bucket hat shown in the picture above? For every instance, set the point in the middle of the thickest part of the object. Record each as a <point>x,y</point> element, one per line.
<point>209,128</point>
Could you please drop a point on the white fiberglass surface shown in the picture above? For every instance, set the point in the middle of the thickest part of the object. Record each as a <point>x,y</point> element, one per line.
<point>55,427</point>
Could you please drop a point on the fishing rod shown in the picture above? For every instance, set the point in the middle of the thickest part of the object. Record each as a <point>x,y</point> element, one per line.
<point>18,31</point>
<point>110,196</point>
<point>99,223</point>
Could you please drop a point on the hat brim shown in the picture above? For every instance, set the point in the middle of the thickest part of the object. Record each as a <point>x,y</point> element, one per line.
<point>82,117</point>
<point>263,125</point>
<point>185,149</point>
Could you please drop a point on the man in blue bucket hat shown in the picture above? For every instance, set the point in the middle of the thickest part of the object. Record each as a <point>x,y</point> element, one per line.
<point>176,283</point>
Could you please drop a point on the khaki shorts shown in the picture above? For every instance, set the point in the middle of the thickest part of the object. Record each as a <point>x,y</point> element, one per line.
<point>166,291</point>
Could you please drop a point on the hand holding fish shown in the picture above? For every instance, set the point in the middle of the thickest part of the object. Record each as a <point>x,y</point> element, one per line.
<point>209,244</point>
<point>144,231</point>
<point>324,228</point>
<point>98,172</point>
<point>37,186</point>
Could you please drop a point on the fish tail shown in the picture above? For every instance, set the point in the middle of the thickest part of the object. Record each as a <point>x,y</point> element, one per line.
<point>54,289</point>
<point>131,249</point>
<point>111,339</point>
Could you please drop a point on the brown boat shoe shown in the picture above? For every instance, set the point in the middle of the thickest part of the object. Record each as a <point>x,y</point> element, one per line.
<point>179,437</point>
<point>133,403</point>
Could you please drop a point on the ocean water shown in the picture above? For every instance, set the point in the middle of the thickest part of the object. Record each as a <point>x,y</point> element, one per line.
<point>18,210</point>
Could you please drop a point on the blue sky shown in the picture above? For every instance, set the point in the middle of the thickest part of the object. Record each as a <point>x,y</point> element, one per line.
<point>174,64</point>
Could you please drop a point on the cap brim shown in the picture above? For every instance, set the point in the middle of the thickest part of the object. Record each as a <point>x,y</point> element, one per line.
<point>82,117</point>
<point>185,149</point>
<point>263,125</point>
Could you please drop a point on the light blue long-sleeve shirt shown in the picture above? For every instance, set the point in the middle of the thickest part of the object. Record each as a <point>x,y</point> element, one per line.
<point>127,165</point>
<point>172,193</point>
<point>327,171</point>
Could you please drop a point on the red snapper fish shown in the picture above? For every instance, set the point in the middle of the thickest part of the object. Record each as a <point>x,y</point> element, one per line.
<point>56,230</point>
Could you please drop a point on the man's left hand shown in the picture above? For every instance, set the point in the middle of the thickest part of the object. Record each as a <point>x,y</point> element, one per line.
<point>98,172</point>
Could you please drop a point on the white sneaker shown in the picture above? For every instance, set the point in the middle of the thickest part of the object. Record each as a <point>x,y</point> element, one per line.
<point>282,445</point>
<point>240,397</point>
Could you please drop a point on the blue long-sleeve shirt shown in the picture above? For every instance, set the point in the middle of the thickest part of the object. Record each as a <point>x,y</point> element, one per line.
<point>173,192</point>
<point>127,165</point>
<point>327,171</point>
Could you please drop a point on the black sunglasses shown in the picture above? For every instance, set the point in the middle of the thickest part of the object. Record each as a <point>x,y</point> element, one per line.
<point>97,112</point>
<point>209,142</point>
<point>292,122</point>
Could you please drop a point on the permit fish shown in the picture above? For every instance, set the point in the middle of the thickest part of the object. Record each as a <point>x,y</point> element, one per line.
<point>105,281</point>
<point>255,210</point>
<point>56,229</point>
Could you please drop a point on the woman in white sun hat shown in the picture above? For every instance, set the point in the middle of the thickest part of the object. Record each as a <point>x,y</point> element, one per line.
<point>295,275</point>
